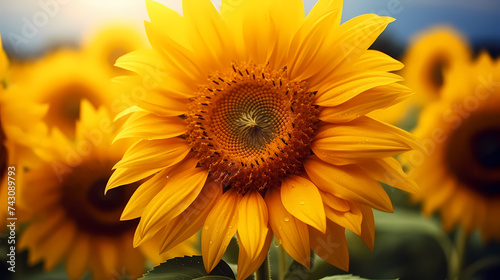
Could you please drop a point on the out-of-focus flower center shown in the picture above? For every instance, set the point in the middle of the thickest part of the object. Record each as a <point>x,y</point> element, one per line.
<point>64,108</point>
<point>473,152</point>
<point>252,126</point>
<point>85,203</point>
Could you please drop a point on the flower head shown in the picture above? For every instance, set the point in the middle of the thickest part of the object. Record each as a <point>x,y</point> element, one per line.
<point>75,222</point>
<point>460,174</point>
<point>251,122</point>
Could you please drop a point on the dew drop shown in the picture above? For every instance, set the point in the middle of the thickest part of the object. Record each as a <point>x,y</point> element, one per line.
<point>302,202</point>
<point>286,219</point>
<point>211,242</point>
<point>205,228</point>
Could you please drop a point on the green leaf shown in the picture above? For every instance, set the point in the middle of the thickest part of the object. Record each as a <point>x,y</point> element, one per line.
<point>188,268</point>
<point>346,277</point>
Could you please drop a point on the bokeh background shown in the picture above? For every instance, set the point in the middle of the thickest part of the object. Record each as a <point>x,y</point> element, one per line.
<point>407,245</point>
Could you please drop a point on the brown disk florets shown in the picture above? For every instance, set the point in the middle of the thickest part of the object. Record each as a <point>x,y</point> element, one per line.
<point>252,126</point>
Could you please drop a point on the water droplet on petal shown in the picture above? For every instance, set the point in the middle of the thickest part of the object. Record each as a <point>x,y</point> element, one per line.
<point>205,228</point>
<point>302,202</point>
<point>211,242</point>
<point>286,219</point>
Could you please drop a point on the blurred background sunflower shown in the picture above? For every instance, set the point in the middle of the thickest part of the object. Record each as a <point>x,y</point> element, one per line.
<point>62,51</point>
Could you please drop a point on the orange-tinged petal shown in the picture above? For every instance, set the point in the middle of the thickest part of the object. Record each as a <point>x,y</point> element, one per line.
<point>107,254</point>
<point>334,202</point>
<point>292,233</point>
<point>246,265</point>
<point>220,227</point>
<point>179,192</point>
<point>361,139</point>
<point>350,220</point>
<point>57,245</point>
<point>389,171</point>
<point>439,196</point>
<point>153,154</point>
<point>302,199</point>
<point>348,182</point>
<point>252,224</point>
<point>78,257</point>
<point>192,219</point>
<point>331,246</point>
<point>367,225</point>
<point>149,189</point>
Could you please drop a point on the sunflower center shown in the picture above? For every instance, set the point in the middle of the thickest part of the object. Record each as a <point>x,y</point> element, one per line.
<point>85,203</point>
<point>252,126</point>
<point>473,152</point>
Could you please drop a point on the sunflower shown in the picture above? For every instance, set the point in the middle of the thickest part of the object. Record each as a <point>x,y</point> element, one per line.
<point>110,43</point>
<point>61,80</point>
<point>460,173</point>
<point>251,122</point>
<point>20,125</point>
<point>433,57</point>
<point>68,216</point>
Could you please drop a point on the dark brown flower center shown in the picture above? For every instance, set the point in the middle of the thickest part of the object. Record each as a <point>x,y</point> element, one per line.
<point>64,108</point>
<point>473,152</point>
<point>252,126</point>
<point>85,203</point>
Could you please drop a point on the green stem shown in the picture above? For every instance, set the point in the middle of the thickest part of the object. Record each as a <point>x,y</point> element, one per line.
<point>263,272</point>
<point>455,267</point>
<point>282,262</point>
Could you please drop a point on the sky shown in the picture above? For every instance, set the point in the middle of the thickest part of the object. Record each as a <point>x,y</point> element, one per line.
<point>29,27</point>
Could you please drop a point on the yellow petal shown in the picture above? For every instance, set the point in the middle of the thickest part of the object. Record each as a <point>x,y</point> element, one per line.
<point>209,35</point>
<point>192,219</point>
<point>246,265</point>
<point>350,85</point>
<point>302,199</point>
<point>359,140</point>
<point>78,257</point>
<point>107,254</point>
<point>57,245</point>
<point>334,202</point>
<point>331,246</point>
<point>389,171</point>
<point>364,103</point>
<point>439,196</point>
<point>169,19</point>
<point>305,48</point>
<point>175,55</point>
<point>220,227</point>
<point>367,225</point>
<point>348,182</point>
<point>292,234</point>
<point>149,189</point>
<point>350,220</point>
<point>252,224</point>
<point>125,176</point>
<point>287,17</point>
<point>153,154</point>
<point>179,192</point>
<point>139,126</point>
<point>349,41</point>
